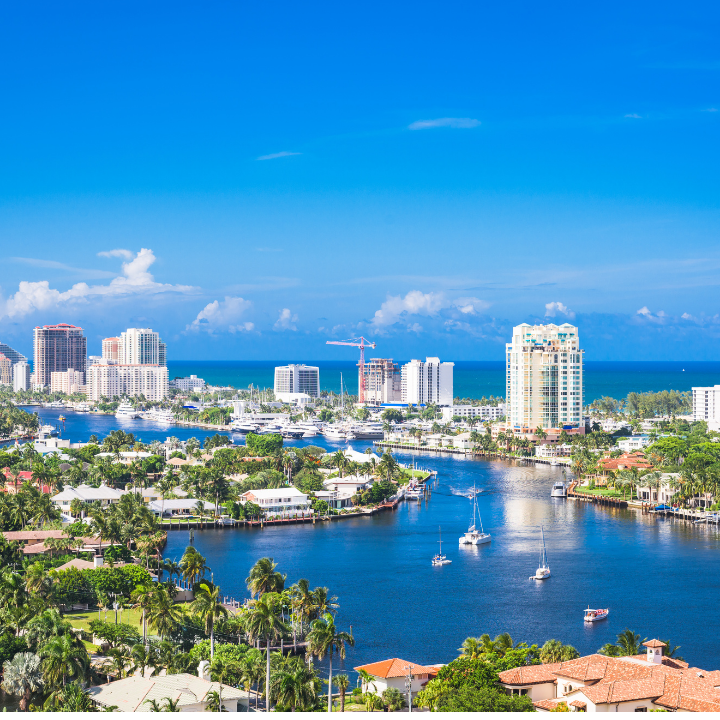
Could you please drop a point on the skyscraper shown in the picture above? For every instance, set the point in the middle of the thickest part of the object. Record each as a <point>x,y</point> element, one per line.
<point>293,379</point>
<point>383,381</point>
<point>12,355</point>
<point>544,377</point>
<point>58,348</point>
<point>141,346</point>
<point>427,382</point>
<point>111,349</point>
<point>21,376</point>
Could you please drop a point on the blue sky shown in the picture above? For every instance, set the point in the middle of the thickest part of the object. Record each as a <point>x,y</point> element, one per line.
<point>254,179</point>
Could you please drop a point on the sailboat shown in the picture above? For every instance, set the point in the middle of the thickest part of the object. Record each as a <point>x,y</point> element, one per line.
<point>543,572</point>
<point>472,536</point>
<point>440,559</point>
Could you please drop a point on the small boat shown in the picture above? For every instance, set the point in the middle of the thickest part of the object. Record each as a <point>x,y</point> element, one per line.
<point>559,490</point>
<point>472,536</point>
<point>554,462</point>
<point>48,430</point>
<point>62,418</point>
<point>543,571</point>
<point>595,615</point>
<point>440,559</point>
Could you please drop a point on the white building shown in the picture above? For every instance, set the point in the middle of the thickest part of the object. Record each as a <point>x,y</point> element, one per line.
<point>484,413</point>
<point>141,346</point>
<point>544,377</point>
<point>706,405</point>
<point>280,501</point>
<point>110,380</point>
<point>293,379</point>
<point>427,382</point>
<point>634,442</point>
<point>104,495</point>
<point>187,384</point>
<point>68,382</point>
<point>111,349</point>
<point>21,376</point>
<point>383,381</point>
<point>393,673</point>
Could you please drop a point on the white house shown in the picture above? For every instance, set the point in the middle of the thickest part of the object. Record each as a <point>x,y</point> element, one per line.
<point>184,506</point>
<point>393,673</point>
<point>663,493</point>
<point>280,501</point>
<point>335,500</point>
<point>104,495</point>
<point>358,457</point>
<point>634,442</point>
<point>348,484</point>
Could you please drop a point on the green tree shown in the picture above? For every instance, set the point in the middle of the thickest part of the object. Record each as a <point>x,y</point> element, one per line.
<point>209,609</point>
<point>64,657</point>
<point>264,578</point>
<point>22,676</point>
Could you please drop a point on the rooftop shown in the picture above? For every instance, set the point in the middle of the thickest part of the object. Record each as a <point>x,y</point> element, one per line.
<point>395,667</point>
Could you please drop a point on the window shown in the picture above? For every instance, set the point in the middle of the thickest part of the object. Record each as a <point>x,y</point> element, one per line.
<point>640,709</point>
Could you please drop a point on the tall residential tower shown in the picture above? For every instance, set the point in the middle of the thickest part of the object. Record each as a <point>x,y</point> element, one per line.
<point>58,348</point>
<point>427,382</point>
<point>544,377</point>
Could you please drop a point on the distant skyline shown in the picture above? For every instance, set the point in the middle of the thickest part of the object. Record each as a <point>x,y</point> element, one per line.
<point>252,181</point>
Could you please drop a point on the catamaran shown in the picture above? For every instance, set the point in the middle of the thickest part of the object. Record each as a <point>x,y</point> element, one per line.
<point>440,559</point>
<point>472,536</point>
<point>543,572</point>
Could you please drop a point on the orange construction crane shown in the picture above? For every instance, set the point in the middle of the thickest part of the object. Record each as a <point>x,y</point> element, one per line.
<point>361,343</point>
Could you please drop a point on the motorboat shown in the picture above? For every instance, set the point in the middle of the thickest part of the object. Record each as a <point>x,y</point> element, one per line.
<point>559,490</point>
<point>473,536</point>
<point>414,493</point>
<point>162,416</point>
<point>332,432</point>
<point>554,462</point>
<point>126,411</point>
<point>243,426</point>
<point>48,430</point>
<point>543,571</point>
<point>290,433</point>
<point>595,615</point>
<point>440,559</point>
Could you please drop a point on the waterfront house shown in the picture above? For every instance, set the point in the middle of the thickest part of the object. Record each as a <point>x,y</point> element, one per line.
<point>191,693</point>
<point>634,442</point>
<point>663,493</point>
<point>626,461</point>
<point>180,506</point>
<point>335,499</point>
<point>126,457</point>
<point>393,673</point>
<point>348,484</point>
<point>358,457</point>
<point>553,451</point>
<point>104,495</point>
<point>281,501</point>
<point>639,683</point>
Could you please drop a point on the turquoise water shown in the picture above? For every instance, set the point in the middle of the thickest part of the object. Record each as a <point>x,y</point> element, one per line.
<point>473,378</point>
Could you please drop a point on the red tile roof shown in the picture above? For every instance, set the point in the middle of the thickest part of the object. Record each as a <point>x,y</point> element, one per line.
<point>626,460</point>
<point>654,644</point>
<point>546,704</point>
<point>395,667</point>
<point>530,674</point>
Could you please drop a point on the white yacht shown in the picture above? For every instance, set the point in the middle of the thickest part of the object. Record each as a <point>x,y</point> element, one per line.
<point>48,430</point>
<point>82,408</point>
<point>126,411</point>
<point>243,426</point>
<point>414,492</point>
<point>473,536</point>
<point>440,559</point>
<point>559,490</point>
<point>332,432</point>
<point>543,571</point>
<point>162,416</point>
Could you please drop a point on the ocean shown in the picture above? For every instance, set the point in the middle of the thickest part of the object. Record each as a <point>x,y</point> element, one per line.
<point>472,379</point>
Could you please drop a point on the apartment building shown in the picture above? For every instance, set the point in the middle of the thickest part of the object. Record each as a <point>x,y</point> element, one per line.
<point>58,348</point>
<point>111,349</point>
<point>427,382</point>
<point>108,380</point>
<point>290,380</point>
<point>140,346</point>
<point>383,381</point>
<point>706,405</point>
<point>21,376</point>
<point>544,377</point>
<point>68,382</point>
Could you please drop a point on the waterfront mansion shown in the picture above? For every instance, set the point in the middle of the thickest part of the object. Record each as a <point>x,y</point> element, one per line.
<point>597,683</point>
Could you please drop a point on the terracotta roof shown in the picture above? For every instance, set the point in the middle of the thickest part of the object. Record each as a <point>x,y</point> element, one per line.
<point>624,690</point>
<point>530,674</point>
<point>578,704</point>
<point>654,644</point>
<point>37,535</point>
<point>546,704</point>
<point>634,459</point>
<point>395,667</point>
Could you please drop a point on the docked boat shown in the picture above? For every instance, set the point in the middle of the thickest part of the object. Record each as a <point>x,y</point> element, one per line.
<point>243,426</point>
<point>332,432</point>
<point>440,559</point>
<point>543,571</point>
<point>595,615</point>
<point>48,430</point>
<point>473,536</point>
<point>126,411</point>
<point>559,490</point>
<point>291,433</point>
<point>414,493</point>
<point>162,416</point>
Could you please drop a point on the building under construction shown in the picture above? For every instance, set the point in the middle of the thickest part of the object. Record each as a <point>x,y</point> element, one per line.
<point>383,381</point>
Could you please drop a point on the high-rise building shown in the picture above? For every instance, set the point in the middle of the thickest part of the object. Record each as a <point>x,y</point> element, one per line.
<point>141,346</point>
<point>58,348</point>
<point>383,381</point>
<point>706,405</point>
<point>294,379</point>
<point>544,377</point>
<point>21,376</point>
<point>5,370</point>
<point>427,382</point>
<point>108,379</point>
<point>111,349</point>
<point>68,382</point>
<point>12,355</point>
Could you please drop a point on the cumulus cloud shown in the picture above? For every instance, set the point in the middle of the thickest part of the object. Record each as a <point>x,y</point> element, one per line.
<point>222,316</point>
<point>461,123</point>
<point>470,305</point>
<point>557,308</point>
<point>659,317</point>
<point>134,280</point>
<point>275,156</point>
<point>286,321</point>
<point>119,252</point>
<point>415,302</point>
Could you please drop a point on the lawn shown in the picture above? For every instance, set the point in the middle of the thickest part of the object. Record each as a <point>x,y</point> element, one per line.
<point>82,620</point>
<point>604,492</point>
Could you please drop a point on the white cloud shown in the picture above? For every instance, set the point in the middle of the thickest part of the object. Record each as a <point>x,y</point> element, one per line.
<point>415,327</point>
<point>414,303</point>
<point>275,156</point>
<point>557,308</point>
<point>470,305</point>
<point>222,316</point>
<point>127,254</point>
<point>135,280</point>
<point>659,317</point>
<point>286,321</point>
<point>461,123</point>
<point>634,116</point>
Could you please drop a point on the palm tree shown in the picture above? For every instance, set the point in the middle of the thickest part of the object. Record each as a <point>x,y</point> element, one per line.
<point>323,639</point>
<point>22,676</point>
<point>343,682</point>
<point>143,657</point>
<point>471,648</point>
<point>264,578</point>
<point>162,614</point>
<point>263,622</point>
<point>295,686</point>
<point>193,565</point>
<point>503,642</point>
<point>208,607</point>
<point>142,598</point>
<point>629,642</point>
<point>64,657</point>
